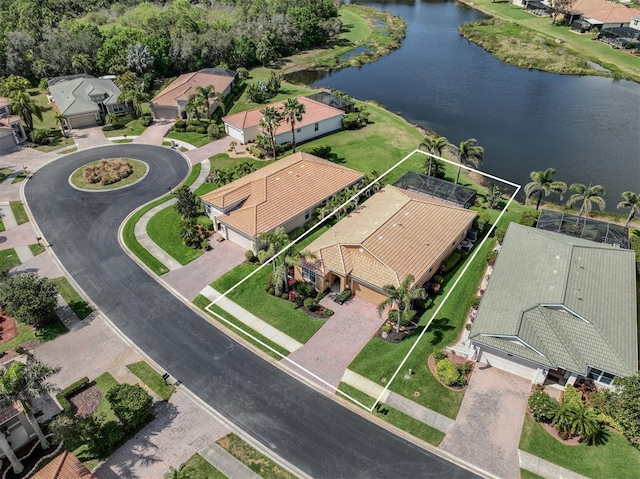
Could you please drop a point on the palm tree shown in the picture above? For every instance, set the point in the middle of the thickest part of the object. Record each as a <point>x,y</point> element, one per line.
<point>294,258</point>
<point>433,167</point>
<point>275,241</point>
<point>23,105</point>
<point>469,154</point>
<point>270,122</point>
<point>584,423</point>
<point>631,200</point>
<point>293,111</point>
<point>81,62</point>
<point>401,297</point>
<point>61,121</point>
<point>588,195</point>
<point>207,96</point>
<point>139,58</point>
<point>23,382</point>
<point>134,98</point>
<point>543,182</point>
<point>191,108</point>
<point>183,472</point>
<point>369,181</point>
<point>434,144</point>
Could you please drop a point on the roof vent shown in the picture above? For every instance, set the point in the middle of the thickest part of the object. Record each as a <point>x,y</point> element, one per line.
<point>380,237</point>
<point>557,256</point>
<point>406,213</point>
<point>361,249</point>
<point>555,271</point>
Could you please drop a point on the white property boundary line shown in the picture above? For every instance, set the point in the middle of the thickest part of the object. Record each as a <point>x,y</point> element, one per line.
<point>321,223</point>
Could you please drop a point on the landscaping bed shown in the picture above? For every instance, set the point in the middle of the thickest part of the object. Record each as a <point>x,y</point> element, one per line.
<point>86,401</point>
<point>108,174</point>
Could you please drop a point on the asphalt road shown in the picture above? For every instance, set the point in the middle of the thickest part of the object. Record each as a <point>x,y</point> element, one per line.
<point>304,427</point>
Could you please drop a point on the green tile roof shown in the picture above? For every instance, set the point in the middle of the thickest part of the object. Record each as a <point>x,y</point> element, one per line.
<point>73,97</point>
<point>562,302</point>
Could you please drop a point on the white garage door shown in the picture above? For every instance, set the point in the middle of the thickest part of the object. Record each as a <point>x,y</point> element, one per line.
<point>166,112</point>
<point>82,121</point>
<point>236,237</point>
<point>508,365</point>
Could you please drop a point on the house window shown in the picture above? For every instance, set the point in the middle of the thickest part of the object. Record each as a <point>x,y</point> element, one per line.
<point>307,214</point>
<point>600,376</point>
<point>309,275</point>
<point>316,126</point>
<point>298,130</point>
<point>118,108</point>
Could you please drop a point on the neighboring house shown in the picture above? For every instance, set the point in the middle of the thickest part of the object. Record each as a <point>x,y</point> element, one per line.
<point>599,14</point>
<point>557,308</point>
<point>391,235</point>
<point>85,100</point>
<point>15,428</point>
<point>169,103</point>
<point>64,466</point>
<point>319,119</point>
<point>284,193</point>
<point>11,131</point>
<point>635,22</point>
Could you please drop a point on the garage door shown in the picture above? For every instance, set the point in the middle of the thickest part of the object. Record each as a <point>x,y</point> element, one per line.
<point>7,143</point>
<point>232,235</point>
<point>508,365</point>
<point>165,112</point>
<point>83,121</point>
<point>367,293</point>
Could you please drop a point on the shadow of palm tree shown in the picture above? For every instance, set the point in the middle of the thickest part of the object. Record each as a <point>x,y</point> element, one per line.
<point>438,327</point>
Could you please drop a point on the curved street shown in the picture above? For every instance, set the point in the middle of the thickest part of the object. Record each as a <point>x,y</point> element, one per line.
<point>304,427</point>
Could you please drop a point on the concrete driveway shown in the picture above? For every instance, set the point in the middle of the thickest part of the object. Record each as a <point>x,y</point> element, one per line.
<point>487,429</point>
<point>89,137</point>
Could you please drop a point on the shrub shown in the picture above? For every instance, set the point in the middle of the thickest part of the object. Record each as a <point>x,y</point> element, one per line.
<point>107,437</point>
<point>205,223</point>
<point>437,279</point>
<point>482,221</point>
<point>180,124</point>
<point>491,257</point>
<point>343,296</point>
<point>327,312</point>
<point>529,218</point>
<point>243,73</point>
<point>542,406</point>
<point>448,372</point>
<point>304,289</point>
<point>293,234</point>
<point>439,355</point>
<point>282,147</point>
<point>29,298</point>
<point>465,368</point>
<point>351,121</point>
<point>285,296</point>
<point>475,302</point>
<point>107,172</point>
<point>249,256</point>
<point>386,328</point>
<point>271,291</point>
<point>146,120</point>
<point>572,396</point>
<point>635,246</point>
<point>452,260</point>
<point>499,233</point>
<point>322,151</point>
<point>131,404</point>
<point>308,302</point>
<point>215,132</point>
<point>39,136</point>
<point>196,129</point>
<point>255,151</point>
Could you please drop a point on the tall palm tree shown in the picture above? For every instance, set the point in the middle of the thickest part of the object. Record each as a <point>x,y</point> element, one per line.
<point>208,96</point>
<point>81,63</point>
<point>191,108</point>
<point>275,241</point>
<point>23,382</point>
<point>24,106</point>
<point>434,144</point>
<point>588,195</point>
<point>433,167</point>
<point>61,120</point>
<point>294,257</point>
<point>543,182</point>
<point>139,58</point>
<point>270,122</point>
<point>293,111</point>
<point>183,472</point>
<point>401,297</point>
<point>369,181</point>
<point>469,154</point>
<point>134,98</point>
<point>631,200</point>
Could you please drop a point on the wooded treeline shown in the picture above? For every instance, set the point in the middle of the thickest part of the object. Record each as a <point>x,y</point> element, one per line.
<point>46,38</point>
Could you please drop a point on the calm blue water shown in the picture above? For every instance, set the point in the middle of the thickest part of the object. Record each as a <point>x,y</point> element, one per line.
<point>587,128</point>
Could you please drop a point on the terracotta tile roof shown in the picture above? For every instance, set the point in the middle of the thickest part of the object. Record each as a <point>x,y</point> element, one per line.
<point>279,192</point>
<point>4,101</point>
<point>185,85</point>
<point>10,411</point>
<point>314,112</point>
<point>64,466</point>
<point>392,234</point>
<point>9,120</point>
<point>613,14</point>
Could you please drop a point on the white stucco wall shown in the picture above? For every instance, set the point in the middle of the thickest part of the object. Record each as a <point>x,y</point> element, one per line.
<point>309,132</point>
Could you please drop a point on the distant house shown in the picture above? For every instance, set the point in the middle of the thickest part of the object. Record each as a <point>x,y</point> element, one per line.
<point>284,193</point>
<point>391,235</point>
<point>11,131</point>
<point>64,466</point>
<point>84,99</point>
<point>588,15</point>
<point>558,308</point>
<point>318,119</point>
<point>170,102</point>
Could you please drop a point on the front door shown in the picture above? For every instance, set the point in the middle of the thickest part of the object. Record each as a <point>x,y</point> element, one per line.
<point>557,376</point>
<point>335,284</point>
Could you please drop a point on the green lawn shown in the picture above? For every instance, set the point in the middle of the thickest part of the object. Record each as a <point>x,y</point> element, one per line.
<point>524,474</point>
<point>202,469</point>
<point>223,161</point>
<point>20,177</point>
<point>616,458</point>
<point>48,121</point>
<point>36,249</point>
<point>8,259</point>
<point>56,144</point>
<point>4,173</point>
<point>25,333</point>
<point>195,139</point>
<point>133,128</point>
<point>139,170</point>
<point>202,302</point>
<point>152,379</point>
<point>71,296</point>
<point>164,229</point>
<point>253,459</point>
<point>396,418</point>
<point>19,212</point>
<point>193,175</point>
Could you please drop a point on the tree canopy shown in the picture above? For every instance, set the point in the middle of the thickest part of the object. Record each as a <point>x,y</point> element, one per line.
<point>29,298</point>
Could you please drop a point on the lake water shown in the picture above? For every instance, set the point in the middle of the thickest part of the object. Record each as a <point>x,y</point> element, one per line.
<point>587,128</point>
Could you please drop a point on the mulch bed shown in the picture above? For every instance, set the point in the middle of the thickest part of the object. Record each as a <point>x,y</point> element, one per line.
<point>86,401</point>
<point>8,328</point>
<point>553,432</point>
<point>456,360</point>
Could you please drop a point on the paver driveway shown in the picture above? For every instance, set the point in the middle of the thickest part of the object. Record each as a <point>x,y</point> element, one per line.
<point>488,426</point>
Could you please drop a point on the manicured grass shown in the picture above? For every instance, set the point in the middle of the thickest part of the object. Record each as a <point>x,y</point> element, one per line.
<point>164,229</point>
<point>139,170</point>
<point>202,469</point>
<point>223,161</point>
<point>180,148</point>
<point>71,296</point>
<point>36,249</point>
<point>56,145</point>
<point>122,141</point>
<point>396,418</point>
<point>205,188</point>
<point>255,460</point>
<point>193,176</point>
<point>4,172</point>
<point>202,302</point>
<point>1,225</point>
<point>616,458</point>
<point>21,177</point>
<point>129,237</point>
<point>104,382</point>
<point>8,259</point>
<point>524,474</point>
<point>70,150</point>
<point>25,333</point>
<point>19,212</point>
<point>379,359</point>
<point>619,61</point>
<point>133,128</point>
<point>195,139</point>
<point>151,378</point>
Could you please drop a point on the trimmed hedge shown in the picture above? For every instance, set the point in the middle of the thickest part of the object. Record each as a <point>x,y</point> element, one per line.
<point>63,395</point>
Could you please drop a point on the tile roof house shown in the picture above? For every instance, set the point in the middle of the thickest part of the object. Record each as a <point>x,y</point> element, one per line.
<point>17,431</point>
<point>600,14</point>
<point>391,235</point>
<point>11,131</point>
<point>168,104</point>
<point>558,307</point>
<point>284,193</point>
<point>319,119</point>
<point>64,466</point>
<point>85,99</point>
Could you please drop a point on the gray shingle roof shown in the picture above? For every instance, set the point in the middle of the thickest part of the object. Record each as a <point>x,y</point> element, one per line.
<point>73,96</point>
<point>562,302</point>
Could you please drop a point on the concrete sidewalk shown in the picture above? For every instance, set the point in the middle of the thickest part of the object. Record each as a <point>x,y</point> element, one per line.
<point>545,468</point>
<point>226,463</point>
